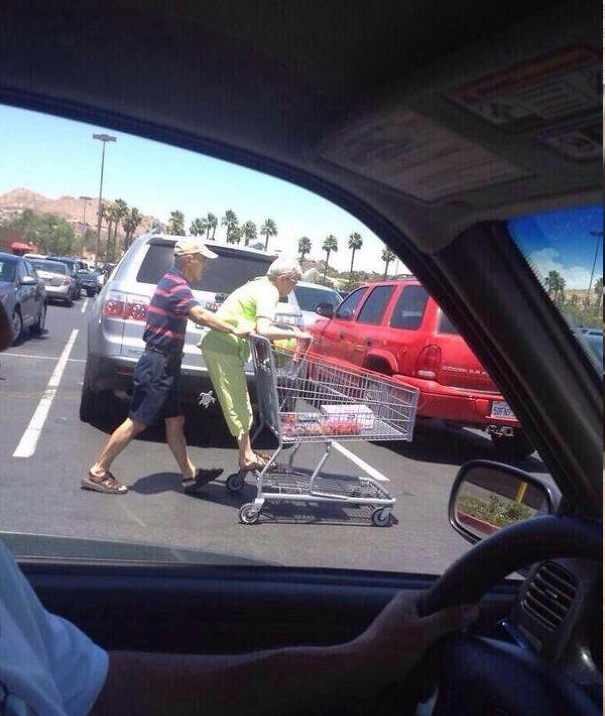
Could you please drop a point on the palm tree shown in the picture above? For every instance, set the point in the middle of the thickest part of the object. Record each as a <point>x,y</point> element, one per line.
<point>235,236</point>
<point>130,224</point>
<point>598,289</point>
<point>387,257</point>
<point>304,247</point>
<point>355,243</point>
<point>198,227</point>
<point>176,223</point>
<point>231,222</point>
<point>555,286</point>
<point>329,245</point>
<point>120,211</point>
<point>249,232</point>
<point>211,224</point>
<point>268,229</point>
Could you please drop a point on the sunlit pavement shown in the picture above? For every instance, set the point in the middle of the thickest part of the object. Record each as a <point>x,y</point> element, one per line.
<point>42,494</point>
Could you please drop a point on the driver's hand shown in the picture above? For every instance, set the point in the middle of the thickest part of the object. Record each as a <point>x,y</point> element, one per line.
<point>397,639</point>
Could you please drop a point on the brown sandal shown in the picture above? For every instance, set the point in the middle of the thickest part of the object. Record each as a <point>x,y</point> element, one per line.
<point>106,484</point>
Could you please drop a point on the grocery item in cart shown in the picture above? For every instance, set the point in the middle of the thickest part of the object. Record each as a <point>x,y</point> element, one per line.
<point>351,414</point>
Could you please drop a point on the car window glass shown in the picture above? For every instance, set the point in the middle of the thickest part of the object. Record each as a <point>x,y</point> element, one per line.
<point>409,308</point>
<point>21,270</point>
<point>223,274</point>
<point>445,325</point>
<point>350,303</point>
<point>374,305</point>
<point>7,270</point>
<point>564,249</point>
<point>309,297</point>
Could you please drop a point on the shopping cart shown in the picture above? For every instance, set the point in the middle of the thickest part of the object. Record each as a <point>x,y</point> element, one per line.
<point>302,399</point>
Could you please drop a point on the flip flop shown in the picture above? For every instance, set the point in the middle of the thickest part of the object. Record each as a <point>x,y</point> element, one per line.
<point>106,484</point>
<point>201,479</point>
<point>260,463</point>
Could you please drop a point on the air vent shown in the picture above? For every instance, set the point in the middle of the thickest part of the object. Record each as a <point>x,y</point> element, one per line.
<point>550,595</point>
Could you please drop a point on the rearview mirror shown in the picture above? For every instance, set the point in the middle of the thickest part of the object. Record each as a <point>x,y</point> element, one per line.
<point>487,496</point>
<point>325,309</point>
<point>29,281</point>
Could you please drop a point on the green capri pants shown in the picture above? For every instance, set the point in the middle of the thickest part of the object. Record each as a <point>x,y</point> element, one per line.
<point>225,356</point>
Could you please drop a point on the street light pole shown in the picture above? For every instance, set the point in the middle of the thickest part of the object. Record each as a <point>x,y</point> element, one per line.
<point>102,138</point>
<point>598,235</point>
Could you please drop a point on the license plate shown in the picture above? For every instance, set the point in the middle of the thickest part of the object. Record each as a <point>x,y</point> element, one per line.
<point>501,409</point>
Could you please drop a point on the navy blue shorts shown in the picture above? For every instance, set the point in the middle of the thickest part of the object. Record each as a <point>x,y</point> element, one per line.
<point>155,394</point>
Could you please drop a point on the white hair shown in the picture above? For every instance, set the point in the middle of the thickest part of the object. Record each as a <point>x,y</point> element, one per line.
<point>285,266</point>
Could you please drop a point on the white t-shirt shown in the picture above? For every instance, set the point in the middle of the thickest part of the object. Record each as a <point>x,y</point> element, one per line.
<point>48,667</point>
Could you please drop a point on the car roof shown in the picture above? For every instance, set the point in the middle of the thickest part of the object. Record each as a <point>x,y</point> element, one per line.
<point>310,284</point>
<point>9,257</point>
<point>159,238</point>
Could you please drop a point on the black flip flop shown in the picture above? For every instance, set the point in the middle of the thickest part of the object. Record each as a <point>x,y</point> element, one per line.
<point>201,479</point>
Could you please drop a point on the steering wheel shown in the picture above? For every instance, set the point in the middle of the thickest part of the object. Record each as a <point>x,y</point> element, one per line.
<point>481,676</point>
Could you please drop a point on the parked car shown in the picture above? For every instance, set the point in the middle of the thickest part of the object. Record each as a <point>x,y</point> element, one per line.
<point>23,294</point>
<point>74,266</point>
<point>310,295</point>
<point>90,281</point>
<point>117,319</point>
<point>58,281</point>
<point>396,328</point>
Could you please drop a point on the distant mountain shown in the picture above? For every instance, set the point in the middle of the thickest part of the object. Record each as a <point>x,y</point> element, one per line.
<point>73,209</point>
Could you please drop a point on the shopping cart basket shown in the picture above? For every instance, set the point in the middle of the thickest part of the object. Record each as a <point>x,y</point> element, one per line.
<point>304,398</point>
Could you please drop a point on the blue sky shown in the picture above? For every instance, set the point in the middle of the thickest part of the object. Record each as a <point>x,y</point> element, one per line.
<point>562,241</point>
<point>57,157</point>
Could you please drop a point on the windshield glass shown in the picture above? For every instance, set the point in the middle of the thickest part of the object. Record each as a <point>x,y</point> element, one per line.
<point>565,251</point>
<point>50,266</point>
<point>401,403</point>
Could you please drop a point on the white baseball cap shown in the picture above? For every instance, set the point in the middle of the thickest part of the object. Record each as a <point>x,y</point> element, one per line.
<point>189,245</point>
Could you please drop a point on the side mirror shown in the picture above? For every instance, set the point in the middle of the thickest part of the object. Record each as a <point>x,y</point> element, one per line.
<point>487,496</point>
<point>325,309</point>
<point>29,281</point>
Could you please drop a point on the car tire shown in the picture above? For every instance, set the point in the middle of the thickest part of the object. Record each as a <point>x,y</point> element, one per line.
<point>38,328</point>
<point>94,407</point>
<point>69,301</point>
<point>90,292</point>
<point>512,447</point>
<point>17,325</point>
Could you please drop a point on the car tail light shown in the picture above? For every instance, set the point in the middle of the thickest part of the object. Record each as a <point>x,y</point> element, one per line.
<point>428,363</point>
<point>125,306</point>
<point>65,281</point>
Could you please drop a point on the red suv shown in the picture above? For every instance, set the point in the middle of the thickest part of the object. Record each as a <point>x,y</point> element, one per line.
<point>396,328</point>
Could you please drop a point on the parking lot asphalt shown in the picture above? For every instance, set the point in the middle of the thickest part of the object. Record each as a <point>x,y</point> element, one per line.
<point>46,450</point>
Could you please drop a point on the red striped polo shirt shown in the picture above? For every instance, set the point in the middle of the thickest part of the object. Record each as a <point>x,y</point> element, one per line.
<point>167,313</point>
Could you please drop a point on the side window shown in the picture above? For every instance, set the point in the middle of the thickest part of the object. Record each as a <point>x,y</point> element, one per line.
<point>445,325</point>
<point>21,270</point>
<point>373,308</point>
<point>348,306</point>
<point>410,308</point>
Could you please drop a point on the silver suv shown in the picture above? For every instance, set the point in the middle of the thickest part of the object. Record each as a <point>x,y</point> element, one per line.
<point>117,318</point>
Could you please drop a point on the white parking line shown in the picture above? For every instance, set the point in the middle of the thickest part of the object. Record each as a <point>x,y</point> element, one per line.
<point>35,357</point>
<point>368,469</point>
<point>27,444</point>
<point>84,305</point>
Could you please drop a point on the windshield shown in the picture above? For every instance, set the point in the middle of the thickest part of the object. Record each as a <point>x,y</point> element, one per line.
<point>399,402</point>
<point>565,251</point>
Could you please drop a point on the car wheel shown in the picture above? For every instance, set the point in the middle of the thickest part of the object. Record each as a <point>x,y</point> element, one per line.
<point>38,326</point>
<point>512,447</point>
<point>94,407</point>
<point>17,324</point>
<point>69,301</point>
<point>90,292</point>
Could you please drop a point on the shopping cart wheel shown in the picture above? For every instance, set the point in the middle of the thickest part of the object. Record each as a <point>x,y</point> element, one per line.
<point>249,514</point>
<point>381,517</point>
<point>235,482</point>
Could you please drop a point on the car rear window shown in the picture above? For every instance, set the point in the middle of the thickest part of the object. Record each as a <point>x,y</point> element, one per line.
<point>221,275</point>
<point>445,325</point>
<point>309,298</point>
<point>50,266</point>
<point>410,308</point>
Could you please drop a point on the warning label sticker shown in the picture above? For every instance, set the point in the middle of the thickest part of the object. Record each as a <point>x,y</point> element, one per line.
<point>536,93</point>
<point>581,143</point>
<point>409,152</point>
